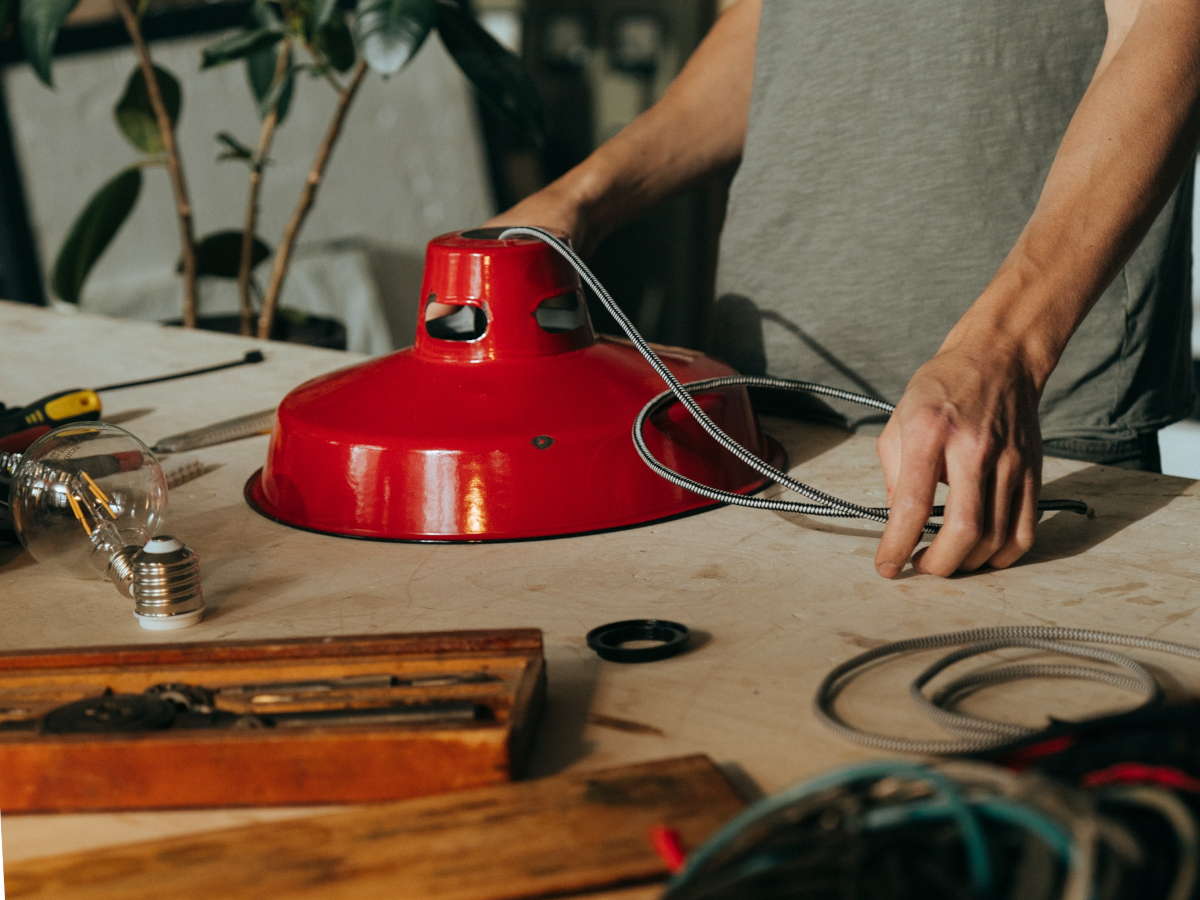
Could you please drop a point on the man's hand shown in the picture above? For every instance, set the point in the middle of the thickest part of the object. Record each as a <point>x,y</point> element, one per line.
<point>553,208</point>
<point>969,417</point>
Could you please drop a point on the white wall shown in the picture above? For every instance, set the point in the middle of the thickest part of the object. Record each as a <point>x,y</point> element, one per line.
<point>1180,443</point>
<point>409,165</point>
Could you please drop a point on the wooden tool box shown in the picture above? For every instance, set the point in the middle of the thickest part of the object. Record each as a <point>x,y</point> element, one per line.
<point>314,720</point>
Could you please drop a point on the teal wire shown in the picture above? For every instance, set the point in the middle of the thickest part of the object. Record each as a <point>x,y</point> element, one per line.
<point>979,864</point>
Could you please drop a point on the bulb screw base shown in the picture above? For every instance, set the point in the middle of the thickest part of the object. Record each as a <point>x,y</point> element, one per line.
<point>166,586</point>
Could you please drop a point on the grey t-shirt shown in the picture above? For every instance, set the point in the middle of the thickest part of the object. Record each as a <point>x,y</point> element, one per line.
<point>894,152</point>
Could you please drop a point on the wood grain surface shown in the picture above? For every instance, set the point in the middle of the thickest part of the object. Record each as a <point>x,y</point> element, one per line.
<point>570,833</point>
<point>196,767</point>
<point>774,600</point>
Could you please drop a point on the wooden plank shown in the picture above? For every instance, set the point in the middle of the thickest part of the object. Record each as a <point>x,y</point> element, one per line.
<point>346,765</point>
<point>436,643</point>
<point>566,834</point>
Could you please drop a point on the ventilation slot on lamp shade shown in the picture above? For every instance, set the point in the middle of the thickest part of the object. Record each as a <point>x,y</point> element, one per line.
<point>453,322</point>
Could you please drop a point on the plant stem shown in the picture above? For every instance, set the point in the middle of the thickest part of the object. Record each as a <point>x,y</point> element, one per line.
<point>331,79</point>
<point>326,70</point>
<point>183,206</point>
<point>283,253</point>
<point>323,66</point>
<point>265,136</point>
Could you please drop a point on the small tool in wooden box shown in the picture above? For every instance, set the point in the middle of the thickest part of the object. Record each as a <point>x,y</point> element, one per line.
<point>313,720</point>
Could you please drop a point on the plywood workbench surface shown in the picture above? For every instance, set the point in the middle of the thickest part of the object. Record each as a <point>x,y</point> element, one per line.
<point>774,600</point>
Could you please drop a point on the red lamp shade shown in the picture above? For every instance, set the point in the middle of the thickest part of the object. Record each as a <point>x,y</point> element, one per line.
<point>508,419</point>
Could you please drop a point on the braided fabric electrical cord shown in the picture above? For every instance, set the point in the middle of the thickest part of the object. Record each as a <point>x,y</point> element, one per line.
<point>952,830</point>
<point>823,504</point>
<point>976,733</point>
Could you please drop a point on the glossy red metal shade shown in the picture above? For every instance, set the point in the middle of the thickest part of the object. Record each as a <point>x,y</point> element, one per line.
<point>520,432</point>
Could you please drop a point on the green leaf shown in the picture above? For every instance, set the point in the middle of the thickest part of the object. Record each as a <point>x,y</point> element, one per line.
<point>220,254</point>
<point>238,45</point>
<point>497,74</point>
<point>322,10</point>
<point>135,115</point>
<point>234,149</point>
<point>92,232</point>
<point>390,32</point>
<point>335,43</point>
<point>40,21</point>
<point>260,73</point>
<point>264,16</point>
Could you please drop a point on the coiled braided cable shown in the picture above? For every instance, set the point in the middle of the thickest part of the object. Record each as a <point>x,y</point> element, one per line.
<point>824,505</point>
<point>983,734</point>
<point>1140,680</point>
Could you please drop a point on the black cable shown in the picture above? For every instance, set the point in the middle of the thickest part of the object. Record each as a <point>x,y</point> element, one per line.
<point>251,356</point>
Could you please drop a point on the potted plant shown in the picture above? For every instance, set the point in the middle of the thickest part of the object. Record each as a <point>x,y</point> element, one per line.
<point>337,43</point>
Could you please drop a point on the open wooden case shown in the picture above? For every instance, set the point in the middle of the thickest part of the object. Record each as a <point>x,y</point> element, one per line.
<point>251,723</point>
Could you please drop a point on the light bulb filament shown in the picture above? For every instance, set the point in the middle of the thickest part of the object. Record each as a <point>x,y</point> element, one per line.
<point>78,512</point>
<point>99,495</point>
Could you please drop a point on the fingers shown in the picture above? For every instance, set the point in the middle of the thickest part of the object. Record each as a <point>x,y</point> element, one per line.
<point>1021,535</point>
<point>970,416</point>
<point>990,519</point>
<point>991,508</point>
<point>966,504</point>
<point>1002,495</point>
<point>912,498</point>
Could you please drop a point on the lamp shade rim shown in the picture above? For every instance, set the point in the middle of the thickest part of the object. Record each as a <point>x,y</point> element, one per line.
<point>775,454</point>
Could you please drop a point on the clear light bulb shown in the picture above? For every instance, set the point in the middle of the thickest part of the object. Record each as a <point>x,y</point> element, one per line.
<point>88,499</point>
<point>84,493</point>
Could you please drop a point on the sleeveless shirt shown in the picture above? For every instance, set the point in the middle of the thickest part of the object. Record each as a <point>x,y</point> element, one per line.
<point>894,152</point>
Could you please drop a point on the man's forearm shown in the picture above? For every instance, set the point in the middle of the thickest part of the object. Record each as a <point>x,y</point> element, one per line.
<point>698,127</point>
<point>969,415</point>
<point>1130,140</point>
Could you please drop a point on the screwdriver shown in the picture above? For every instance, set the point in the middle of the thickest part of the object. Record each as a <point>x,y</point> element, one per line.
<point>25,423</point>
<point>21,427</point>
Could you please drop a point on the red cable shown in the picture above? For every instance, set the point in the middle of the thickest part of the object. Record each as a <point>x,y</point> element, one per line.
<point>1121,773</point>
<point>669,846</point>
<point>1023,758</point>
